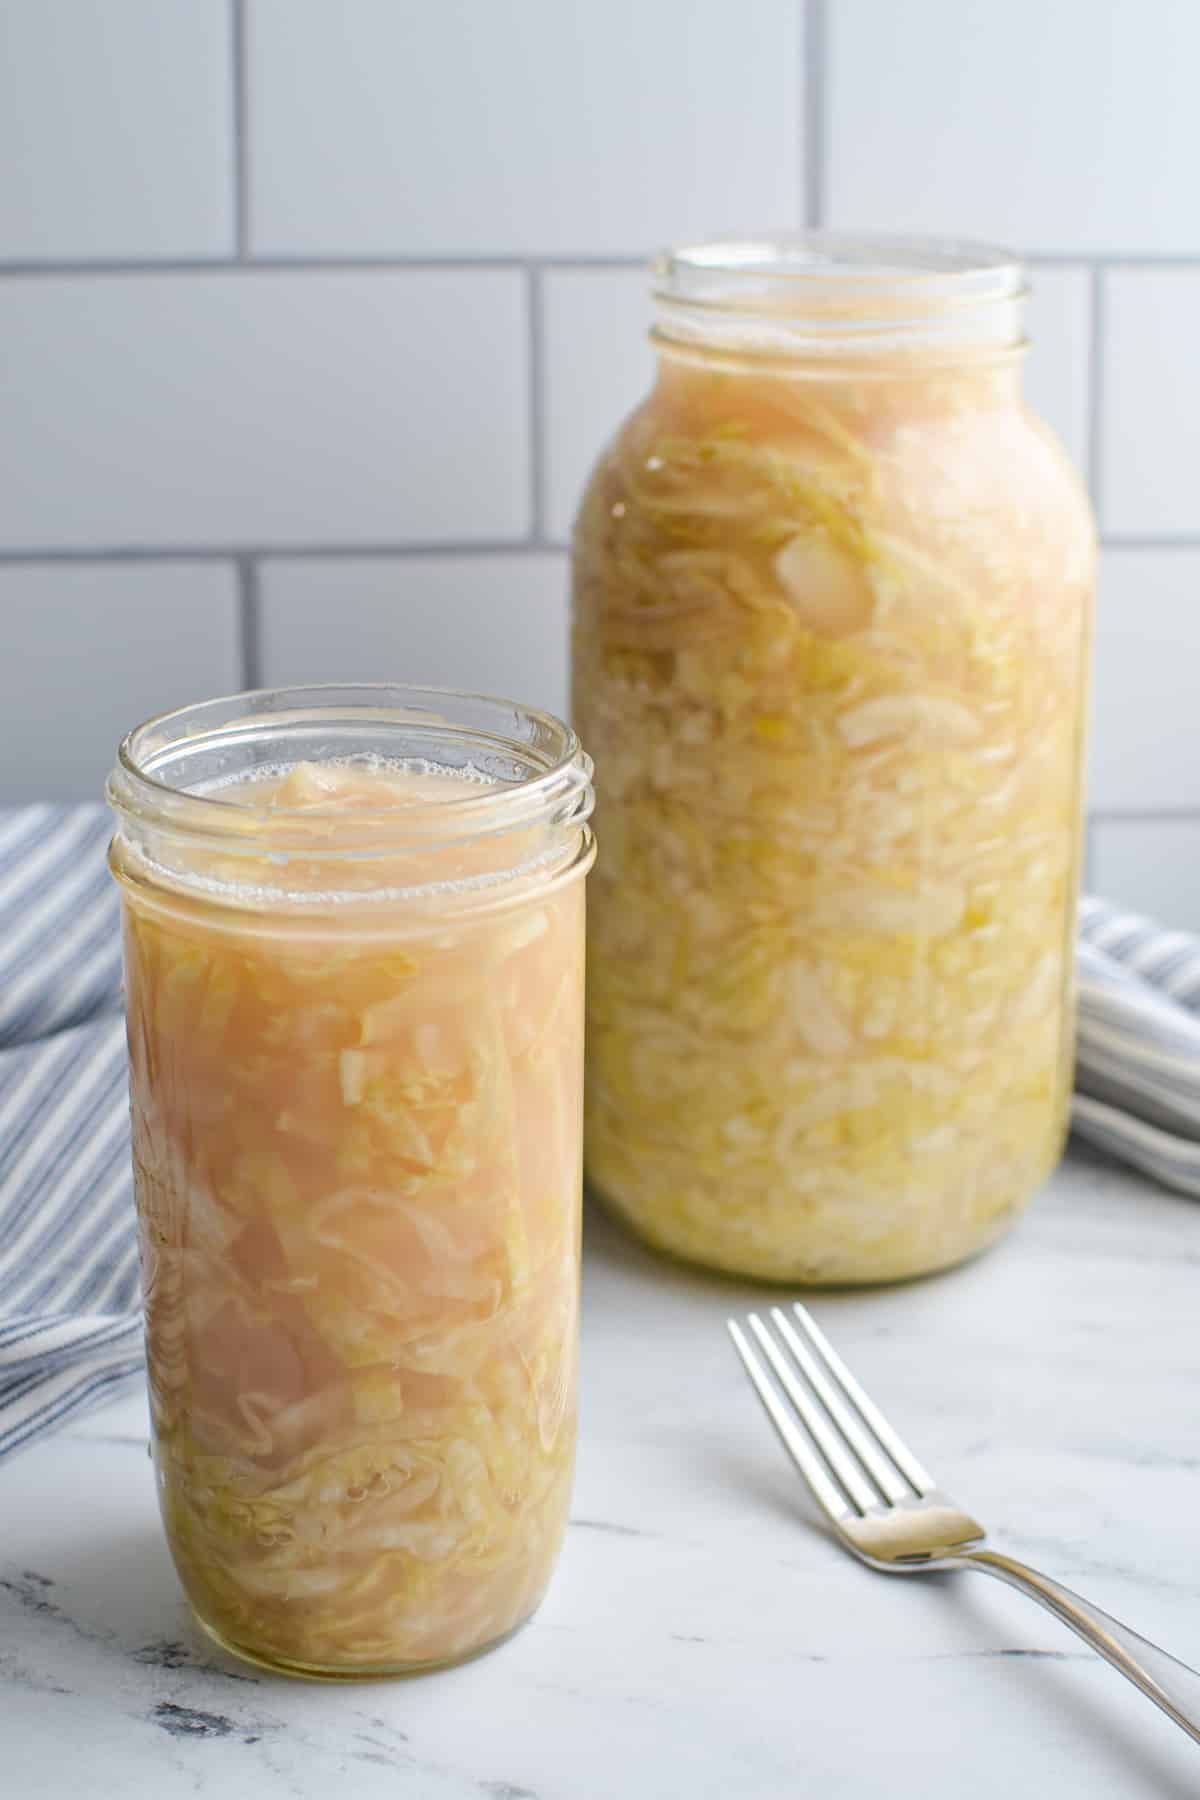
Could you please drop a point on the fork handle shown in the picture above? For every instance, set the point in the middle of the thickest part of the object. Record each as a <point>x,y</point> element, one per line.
<point>1162,1678</point>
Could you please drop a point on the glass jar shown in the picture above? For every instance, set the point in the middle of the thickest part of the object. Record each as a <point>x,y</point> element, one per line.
<point>831,622</point>
<point>353,927</point>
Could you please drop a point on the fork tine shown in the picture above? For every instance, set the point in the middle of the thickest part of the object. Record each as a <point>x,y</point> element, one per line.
<point>828,1497</point>
<point>895,1446</point>
<point>876,1464</point>
<point>831,1446</point>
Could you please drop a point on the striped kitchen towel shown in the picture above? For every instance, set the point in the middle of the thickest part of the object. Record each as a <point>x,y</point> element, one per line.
<point>70,1333</point>
<point>1137,1071</point>
<point>70,1330</point>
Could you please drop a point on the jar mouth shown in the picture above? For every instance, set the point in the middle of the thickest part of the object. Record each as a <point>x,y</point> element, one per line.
<point>849,292</point>
<point>185,772</point>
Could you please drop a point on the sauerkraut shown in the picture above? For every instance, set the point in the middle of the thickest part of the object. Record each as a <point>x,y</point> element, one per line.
<point>356,1139</point>
<point>830,640</point>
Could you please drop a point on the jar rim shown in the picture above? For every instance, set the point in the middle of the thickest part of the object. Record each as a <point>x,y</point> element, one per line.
<point>864,291</point>
<point>546,775</point>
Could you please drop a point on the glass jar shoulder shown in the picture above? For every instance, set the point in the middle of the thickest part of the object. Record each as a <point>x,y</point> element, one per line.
<point>811,490</point>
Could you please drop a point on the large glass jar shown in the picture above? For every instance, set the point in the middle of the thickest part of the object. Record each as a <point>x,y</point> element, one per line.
<point>354,967</point>
<point>831,623</point>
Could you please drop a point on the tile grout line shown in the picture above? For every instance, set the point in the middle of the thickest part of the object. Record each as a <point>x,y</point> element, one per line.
<point>1144,815</point>
<point>1097,331</point>
<point>277,264</point>
<point>310,263</point>
<point>535,347</point>
<point>1111,259</point>
<point>334,550</point>
<point>1133,540</point>
<point>250,621</point>
<point>317,552</point>
<point>241,142</point>
<point>813,90</point>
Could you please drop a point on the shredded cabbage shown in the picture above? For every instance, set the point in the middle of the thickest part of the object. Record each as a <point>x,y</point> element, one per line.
<point>830,639</point>
<point>356,1147</point>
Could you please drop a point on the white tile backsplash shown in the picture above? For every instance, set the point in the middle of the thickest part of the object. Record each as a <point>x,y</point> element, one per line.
<point>1057,375</point>
<point>548,128</point>
<point>1151,376</point>
<point>115,129</point>
<point>267,409</point>
<point>598,365</point>
<point>358,374</point>
<point>1069,126</point>
<point>1151,866</point>
<point>490,624</point>
<point>92,650</point>
<point>1146,727</point>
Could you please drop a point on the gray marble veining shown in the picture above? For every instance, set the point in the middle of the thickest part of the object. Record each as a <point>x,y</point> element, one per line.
<point>703,1637</point>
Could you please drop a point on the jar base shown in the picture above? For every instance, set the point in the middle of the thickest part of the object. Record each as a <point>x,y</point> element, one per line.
<point>306,1671</point>
<point>997,1227</point>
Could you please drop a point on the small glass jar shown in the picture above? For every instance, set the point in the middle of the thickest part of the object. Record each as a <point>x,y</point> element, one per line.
<point>354,955</point>
<point>832,590</point>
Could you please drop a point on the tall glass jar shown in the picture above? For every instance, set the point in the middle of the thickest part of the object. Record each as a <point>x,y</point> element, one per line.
<point>354,966</point>
<point>832,593</point>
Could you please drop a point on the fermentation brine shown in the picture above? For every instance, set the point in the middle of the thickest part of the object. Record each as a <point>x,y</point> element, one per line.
<point>831,620</point>
<point>354,968</point>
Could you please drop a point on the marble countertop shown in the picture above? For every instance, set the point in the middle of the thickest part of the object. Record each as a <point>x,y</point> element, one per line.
<point>703,1637</point>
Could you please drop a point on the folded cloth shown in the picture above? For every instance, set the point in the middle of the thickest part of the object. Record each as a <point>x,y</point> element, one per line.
<point>70,1327</point>
<point>70,1333</point>
<point>1137,1068</point>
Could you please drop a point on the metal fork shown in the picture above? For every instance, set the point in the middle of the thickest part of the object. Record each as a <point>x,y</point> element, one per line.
<point>891,1513</point>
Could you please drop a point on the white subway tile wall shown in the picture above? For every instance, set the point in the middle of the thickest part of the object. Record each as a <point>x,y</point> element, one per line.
<point>1059,366</point>
<point>314,316</point>
<point>116,129</point>
<point>264,407</point>
<point>1152,864</point>
<point>92,650</point>
<point>597,366</point>
<point>1146,722</point>
<point>488,623</point>
<point>544,128</point>
<point>1068,126</point>
<point>1151,379</point>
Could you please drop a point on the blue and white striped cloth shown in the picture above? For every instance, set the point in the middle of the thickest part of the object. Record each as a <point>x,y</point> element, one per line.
<point>70,1329</point>
<point>70,1333</point>
<point>1137,1073</point>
